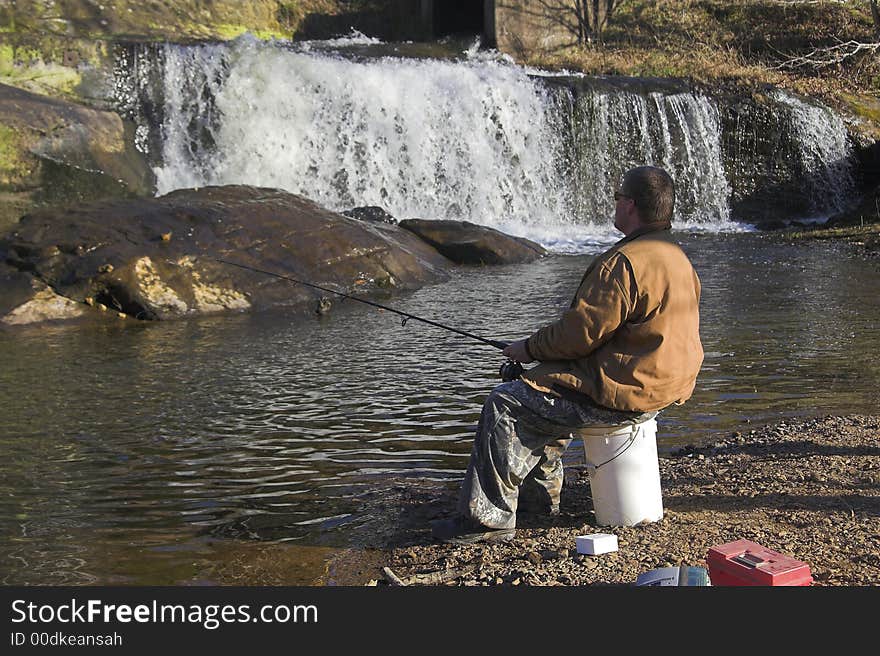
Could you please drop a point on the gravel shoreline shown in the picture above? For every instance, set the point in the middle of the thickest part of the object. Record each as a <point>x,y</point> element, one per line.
<point>810,490</point>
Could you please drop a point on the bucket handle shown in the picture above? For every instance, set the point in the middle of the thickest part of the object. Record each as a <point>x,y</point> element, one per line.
<point>632,439</point>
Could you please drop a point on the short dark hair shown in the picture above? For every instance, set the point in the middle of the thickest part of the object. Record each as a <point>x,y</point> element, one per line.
<point>653,192</point>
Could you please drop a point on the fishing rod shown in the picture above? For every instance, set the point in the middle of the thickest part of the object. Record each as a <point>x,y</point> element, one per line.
<point>406,315</point>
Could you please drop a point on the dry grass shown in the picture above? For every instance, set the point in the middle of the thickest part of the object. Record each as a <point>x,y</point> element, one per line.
<point>862,233</point>
<point>746,41</point>
<point>701,63</point>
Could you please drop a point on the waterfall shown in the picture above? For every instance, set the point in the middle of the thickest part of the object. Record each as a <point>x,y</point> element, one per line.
<point>618,129</point>
<point>476,138</point>
<point>825,154</point>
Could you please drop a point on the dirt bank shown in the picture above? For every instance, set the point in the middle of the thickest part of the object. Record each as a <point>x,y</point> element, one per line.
<point>810,490</point>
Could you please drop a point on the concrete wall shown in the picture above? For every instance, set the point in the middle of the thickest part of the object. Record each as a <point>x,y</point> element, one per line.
<point>517,27</point>
<point>527,27</point>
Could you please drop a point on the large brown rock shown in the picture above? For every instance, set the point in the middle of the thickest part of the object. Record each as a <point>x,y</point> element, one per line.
<point>52,150</point>
<point>468,243</point>
<point>158,258</point>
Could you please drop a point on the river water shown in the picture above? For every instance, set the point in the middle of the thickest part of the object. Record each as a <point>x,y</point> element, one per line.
<point>240,448</point>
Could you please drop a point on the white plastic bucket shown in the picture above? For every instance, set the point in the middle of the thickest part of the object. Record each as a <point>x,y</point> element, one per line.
<point>624,473</point>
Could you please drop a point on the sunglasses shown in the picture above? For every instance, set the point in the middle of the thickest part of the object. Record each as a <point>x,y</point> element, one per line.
<point>618,196</point>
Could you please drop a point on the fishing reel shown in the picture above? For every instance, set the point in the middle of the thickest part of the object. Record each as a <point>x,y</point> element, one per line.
<point>510,370</point>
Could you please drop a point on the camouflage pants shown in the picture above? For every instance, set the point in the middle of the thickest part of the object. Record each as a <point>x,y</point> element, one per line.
<point>517,454</point>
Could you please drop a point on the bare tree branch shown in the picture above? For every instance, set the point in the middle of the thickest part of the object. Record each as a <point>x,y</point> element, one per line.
<point>819,58</point>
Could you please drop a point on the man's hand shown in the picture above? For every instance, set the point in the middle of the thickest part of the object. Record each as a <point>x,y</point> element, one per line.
<point>517,351</point>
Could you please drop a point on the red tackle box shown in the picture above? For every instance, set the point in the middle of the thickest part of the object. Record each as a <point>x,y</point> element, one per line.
<point>748,563</point>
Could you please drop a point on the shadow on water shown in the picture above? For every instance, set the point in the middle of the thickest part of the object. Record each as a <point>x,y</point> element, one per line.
<point>249,448</point>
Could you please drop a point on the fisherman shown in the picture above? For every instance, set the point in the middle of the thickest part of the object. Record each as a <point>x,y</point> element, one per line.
<point>627,347</point>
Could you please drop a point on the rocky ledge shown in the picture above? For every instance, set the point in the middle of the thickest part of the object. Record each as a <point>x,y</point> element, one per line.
<point>200,251</point>
<point>810,490</point>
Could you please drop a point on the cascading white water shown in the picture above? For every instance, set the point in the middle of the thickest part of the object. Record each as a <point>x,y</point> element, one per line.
<point>421,138</point>
<point>477,139</point>
<point>679,132</point>
<point>825,153</point>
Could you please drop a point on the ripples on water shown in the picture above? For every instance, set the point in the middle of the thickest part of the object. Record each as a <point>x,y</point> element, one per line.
<point>162,453</point>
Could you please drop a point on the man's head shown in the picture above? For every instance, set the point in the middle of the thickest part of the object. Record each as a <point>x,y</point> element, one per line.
<point>646,197</point>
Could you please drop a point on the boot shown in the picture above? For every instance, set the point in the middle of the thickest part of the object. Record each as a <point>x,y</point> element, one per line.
<point>461,530</point>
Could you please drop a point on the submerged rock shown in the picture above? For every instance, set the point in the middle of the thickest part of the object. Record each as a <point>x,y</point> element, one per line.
<point>160,258</point>
<point>44,305</point>
<point>468,243</point>
<point>25,299</point>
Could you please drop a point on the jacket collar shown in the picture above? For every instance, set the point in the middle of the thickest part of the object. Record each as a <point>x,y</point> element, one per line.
<point>644,230</point>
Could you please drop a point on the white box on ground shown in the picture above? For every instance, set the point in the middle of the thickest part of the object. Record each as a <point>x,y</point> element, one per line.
<point>596,543</point>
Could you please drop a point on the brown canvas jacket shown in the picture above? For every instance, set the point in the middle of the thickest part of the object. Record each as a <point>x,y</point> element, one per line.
<point>630,339</point>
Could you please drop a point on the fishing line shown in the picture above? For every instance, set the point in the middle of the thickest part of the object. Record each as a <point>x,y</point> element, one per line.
<point>406,315</point>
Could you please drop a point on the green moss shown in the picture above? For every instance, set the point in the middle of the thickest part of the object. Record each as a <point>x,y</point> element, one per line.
<point>15,166</point>
<point>50,79</point>
<point>227,31</point>
<point>12,57</point>
<point>865,107</point>
<point>850,233</point>
<point>268,35</point>
<point>6,59</point>
<point>28,68</point>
